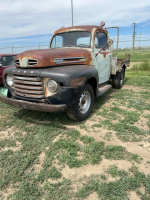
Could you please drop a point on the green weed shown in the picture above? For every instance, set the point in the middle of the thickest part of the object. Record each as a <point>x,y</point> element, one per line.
<point>144,66</point>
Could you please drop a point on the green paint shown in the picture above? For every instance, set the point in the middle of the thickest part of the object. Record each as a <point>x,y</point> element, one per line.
<point>3,91</point>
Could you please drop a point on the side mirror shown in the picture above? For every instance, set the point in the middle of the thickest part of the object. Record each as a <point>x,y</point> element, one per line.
<point>109,42</point>
<point>1,65</point>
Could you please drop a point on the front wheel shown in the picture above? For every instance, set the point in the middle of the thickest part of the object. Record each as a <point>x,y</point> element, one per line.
<point>81,109</point>
<point>118,79</point>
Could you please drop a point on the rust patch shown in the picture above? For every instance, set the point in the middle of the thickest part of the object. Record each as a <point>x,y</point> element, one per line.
<point>77,28</point>
<point>104,53</point>
<point>75,83</point>
<point>46,57</point>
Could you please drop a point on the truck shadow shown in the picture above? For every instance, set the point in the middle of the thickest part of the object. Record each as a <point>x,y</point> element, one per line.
<point>60,120</point>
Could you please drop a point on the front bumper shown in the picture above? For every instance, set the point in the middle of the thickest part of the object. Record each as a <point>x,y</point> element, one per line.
<point>33,106</point>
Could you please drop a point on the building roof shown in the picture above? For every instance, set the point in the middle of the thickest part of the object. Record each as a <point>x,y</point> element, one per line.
<point>7,54</point>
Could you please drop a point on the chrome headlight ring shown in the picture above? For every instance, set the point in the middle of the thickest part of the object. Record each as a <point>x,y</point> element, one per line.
<point>10,80</point>
<point>52,86</point>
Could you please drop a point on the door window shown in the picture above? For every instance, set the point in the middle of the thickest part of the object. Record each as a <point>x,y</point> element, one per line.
<point>100,40</point>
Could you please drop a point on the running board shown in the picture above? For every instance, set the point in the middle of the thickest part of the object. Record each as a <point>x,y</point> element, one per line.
<point>103,90</point>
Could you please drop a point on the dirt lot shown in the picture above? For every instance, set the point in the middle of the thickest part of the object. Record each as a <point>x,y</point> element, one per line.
<point>48,156</point>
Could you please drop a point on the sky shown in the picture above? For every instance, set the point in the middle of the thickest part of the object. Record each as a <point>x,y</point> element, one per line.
<point>32,23</point>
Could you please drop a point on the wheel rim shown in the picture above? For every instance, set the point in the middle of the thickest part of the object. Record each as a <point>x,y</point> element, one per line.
<point>84,102</point>
<point>121,80</point>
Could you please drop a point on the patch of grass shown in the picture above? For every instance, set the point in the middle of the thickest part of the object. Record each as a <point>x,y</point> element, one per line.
<point>36,131</point>
<point>114,172</point>
<point>120,153</point>
<point>148,123</point>
<point>136,56</point>
<point>27,190</point>
<point>54,173</point>
<point>138,104</point>
<point>61,190</point>
<point>124,128</point>
<point>94,151</point>
<point>116,152</point>
<point>86,139</point>
<point>118,189</point>
<point>7,143</point>
<point>144,66</point>
<point>108,136</point>
<point>102,176</point>
<point>97,125</point>
<point>107,114</point>
<point>73,134</point>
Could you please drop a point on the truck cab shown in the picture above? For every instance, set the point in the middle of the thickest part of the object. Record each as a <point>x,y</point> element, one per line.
<point>66,77</point>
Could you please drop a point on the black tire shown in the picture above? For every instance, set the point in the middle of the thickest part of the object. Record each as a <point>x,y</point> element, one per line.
<point>118,79</point>
<point>82,108</point>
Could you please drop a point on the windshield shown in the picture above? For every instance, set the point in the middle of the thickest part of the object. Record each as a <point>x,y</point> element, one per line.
<point>71,39</point>
<point>7,60</point>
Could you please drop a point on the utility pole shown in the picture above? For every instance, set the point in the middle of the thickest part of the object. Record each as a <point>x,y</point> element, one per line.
<point>72,10</point>
<point>133,37</point>
<point>139,39</point>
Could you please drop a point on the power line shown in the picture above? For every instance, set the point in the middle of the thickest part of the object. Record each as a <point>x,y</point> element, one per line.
<point>134,40</point>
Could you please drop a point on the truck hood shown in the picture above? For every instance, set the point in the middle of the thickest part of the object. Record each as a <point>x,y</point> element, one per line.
<point>53,57</point>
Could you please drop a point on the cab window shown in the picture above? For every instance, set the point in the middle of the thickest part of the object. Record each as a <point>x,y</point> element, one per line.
<point>57,42</point>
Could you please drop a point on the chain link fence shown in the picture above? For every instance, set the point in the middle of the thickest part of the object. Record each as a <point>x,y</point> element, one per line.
<point>126,45</point>
<point>21,48</point>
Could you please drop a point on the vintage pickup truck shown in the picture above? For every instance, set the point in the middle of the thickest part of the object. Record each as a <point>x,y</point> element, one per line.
<point>66,77</point>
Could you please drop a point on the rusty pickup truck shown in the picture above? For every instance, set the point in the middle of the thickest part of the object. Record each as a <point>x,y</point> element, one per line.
<point>6,60</point>
<point>77,66</point>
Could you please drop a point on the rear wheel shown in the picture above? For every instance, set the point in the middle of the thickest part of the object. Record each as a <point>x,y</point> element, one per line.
<point>81,109</point>
<point>118,79</point>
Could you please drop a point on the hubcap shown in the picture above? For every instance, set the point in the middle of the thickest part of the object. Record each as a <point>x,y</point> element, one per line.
<point>84,102</point>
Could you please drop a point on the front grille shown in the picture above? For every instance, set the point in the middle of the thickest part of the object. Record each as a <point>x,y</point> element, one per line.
<point>29,87</point>
<point>31,62</point>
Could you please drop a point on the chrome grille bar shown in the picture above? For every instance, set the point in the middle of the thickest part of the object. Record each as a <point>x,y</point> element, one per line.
<point>29,87</point>
<point>69,60</point>
<point>28,78</point>
<point>28,82</point>
<point>30,96</point>
<point>30,91</point>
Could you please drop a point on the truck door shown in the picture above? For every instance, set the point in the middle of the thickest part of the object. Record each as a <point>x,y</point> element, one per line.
<point>102,60</point>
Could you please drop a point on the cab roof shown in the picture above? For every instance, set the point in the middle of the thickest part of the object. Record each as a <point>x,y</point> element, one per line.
<point>76,28</point>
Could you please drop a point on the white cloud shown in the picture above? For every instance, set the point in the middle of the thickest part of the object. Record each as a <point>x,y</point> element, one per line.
<point>146,24</point>
<point>23,22</point>
<point>36,17</point>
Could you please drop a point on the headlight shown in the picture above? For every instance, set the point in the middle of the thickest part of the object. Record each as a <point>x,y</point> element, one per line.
<point>52,86</point>
<point>10,80</point>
